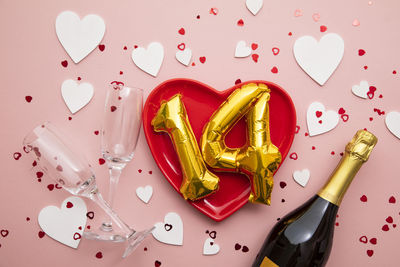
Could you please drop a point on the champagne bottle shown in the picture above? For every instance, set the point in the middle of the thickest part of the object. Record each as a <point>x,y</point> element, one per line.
<point>303,238</point>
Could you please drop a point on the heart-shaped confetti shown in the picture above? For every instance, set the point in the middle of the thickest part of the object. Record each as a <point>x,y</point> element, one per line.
<point>210,247</point>
<point>79,37</point>
<point>149,60</point>
<point>316,17</point>
<point>254,6</point>
<point>242,50</point>
<point>319,59</point>
<point>170,231</point>
<point>361,90</point>
<point>76,95</point>
<point>66,224</point>
<point>184,56</point>
<point>392,121</point>
<point>302,177</point>
<point>144,193</point>
<point>319,120</point>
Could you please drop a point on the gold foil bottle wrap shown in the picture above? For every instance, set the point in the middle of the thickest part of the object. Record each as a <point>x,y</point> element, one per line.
<point>259,158</point>
<point>361,145</point>
<point>198,182</point>
<point>357,152</point>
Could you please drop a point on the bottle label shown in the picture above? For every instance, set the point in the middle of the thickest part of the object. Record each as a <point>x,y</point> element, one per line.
<point>268,263</point>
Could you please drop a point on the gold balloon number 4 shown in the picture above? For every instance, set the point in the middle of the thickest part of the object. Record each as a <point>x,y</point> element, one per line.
<point>258,159</point>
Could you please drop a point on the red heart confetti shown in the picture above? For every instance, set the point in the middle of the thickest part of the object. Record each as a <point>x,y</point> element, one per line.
<point>125,48</point>
<point>323,28</point>
<point>318,114</point>
<point>274,70</point>
<point>237,246</point>
<point>90,215</point>
<point>254,46</point>
<point>363,239</point>
<point>238,81</point>
<point>214,11</point>
<point>140,171</point>
<point>275,51</point>
<point>113,108</point>
<point>99,255</point>
<point>41,234</point>
<point>363,198</point>
<point>345,117</point>
<point>157,263</point>
<point>102,47</point>
<point>282,184</point>
<point>245,249</point>
<point>370,252</point>
<point>181,46</point>
<point>181,31</point>
<point>392,200</point>
<point>4,233</point>
<point>101,161</point>
<point>96,132</point>
<point>64,63</point>
<point>361,52</point>
<point>373,241</point>
<point>389,219</point>
<point>50,187</point>
<point>202,59</point>
<point>385,228</point>
<point>297,129</point>
<point>341,111</point>
<point>77,235</point>
<point>28,98</point>
<point>293,156</point>
<point>240,22</point>
<point>255,57</point>
<point>69,205</point>
<point>39,174</point>
<point>17,155</point>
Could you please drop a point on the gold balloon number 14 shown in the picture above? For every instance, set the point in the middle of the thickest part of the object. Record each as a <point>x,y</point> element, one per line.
<point>258,159</point>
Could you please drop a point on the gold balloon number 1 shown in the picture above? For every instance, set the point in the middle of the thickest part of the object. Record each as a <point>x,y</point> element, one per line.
<point>258,159</point>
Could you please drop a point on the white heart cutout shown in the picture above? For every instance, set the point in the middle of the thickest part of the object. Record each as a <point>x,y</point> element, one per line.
<point>75,95</point>
<point>66,225</point>
<point>184,56</point>
<point>149,60</point>
<point>361,90</point>
<point>302,177</point>
<point>79,37</point>
<point>170,231</point>
<point>144,193</point>
<point>210,247</point>
<point>319,120</point>
<point>242,50</point>
<point>392,121</point>
<point>254,6</point>
<point>319,59</point>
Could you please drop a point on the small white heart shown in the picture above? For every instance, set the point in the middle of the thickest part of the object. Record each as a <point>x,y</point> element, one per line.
<point>144,193</point>
<point>254,5</point>
<point>392,121</point>
<point>319,120</point>
<point>170,231</point>
<point>65,225</point>
<point>75,95</point>
<point>149,60</point>
<point>242,50</point>
<point>361,90</point>
<point>302,177</point>
<point>319,59</point>
<point>184,56</point>
<point>79,37</point>
<point>210,247</point>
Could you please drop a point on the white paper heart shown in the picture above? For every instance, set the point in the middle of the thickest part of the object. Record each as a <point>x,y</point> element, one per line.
<point>149,60</point>
<point>79,37</point>
<point>170,231</point>
<point>392,121</point>
<point>184,56</point>
<point>302,177</point>
<point>75,95</point>
<point>319,59</point>
<point>254,5</point>
<point>361,90</point>
<point>144,193</point>
<point>210,247</point>
<point>66,225</point>
<point>326,121</point>
<point>242,50</point>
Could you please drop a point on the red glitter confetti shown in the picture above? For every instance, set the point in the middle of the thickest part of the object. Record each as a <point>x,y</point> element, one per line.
<point>181,31</point>
<point>102,47</point>
<point>274,70</point>
<point>64,63</point>
<point>99,255</point>
<point>361,52</point>
<point>101,161</point>
<point>363,198</point>
<point>255,57</point>
<point>202,59</point>
<point>240,22</point>
<point>323,28</point>
<point>28,98</point>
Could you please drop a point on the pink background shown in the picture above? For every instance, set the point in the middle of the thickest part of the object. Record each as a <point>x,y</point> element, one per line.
<point>30,64</point>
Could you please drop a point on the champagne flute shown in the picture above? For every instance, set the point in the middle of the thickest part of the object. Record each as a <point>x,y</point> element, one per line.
<point>52,154</point>
<point>120,133</point>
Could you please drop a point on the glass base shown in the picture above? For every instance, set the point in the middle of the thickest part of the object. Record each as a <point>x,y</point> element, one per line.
<point>135,239</point>
<point>110,236</point>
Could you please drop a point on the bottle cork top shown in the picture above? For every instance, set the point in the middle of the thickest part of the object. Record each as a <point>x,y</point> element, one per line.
<point>362,144</point>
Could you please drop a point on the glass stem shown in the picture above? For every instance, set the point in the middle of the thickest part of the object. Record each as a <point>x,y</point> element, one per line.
<point>115,170</point>
<point>98,199</point>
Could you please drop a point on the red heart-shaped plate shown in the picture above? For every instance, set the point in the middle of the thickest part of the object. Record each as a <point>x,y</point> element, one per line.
<point>201,101</point>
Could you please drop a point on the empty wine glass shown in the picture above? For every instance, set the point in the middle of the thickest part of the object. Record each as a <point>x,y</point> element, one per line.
<point>120,133</point>
<point>52,154</point>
